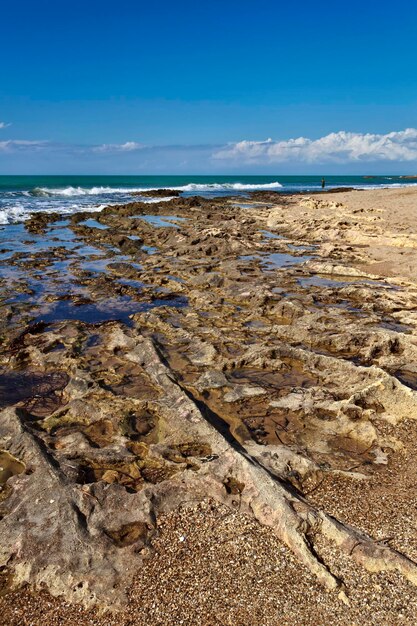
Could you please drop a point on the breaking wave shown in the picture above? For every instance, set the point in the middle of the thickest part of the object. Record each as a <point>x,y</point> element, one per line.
<point>20,213</point>
<point>41,192</point>
<point>68,192</point>
<point>16,205</point>
<point>13,214</point>
<point>228,187</point>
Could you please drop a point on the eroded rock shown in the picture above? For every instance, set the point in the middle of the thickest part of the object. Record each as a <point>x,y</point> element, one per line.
<point>235,378</point>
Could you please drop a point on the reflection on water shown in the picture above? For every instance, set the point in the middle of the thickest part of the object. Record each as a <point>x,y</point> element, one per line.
<point>161,221</point>
<point>282,259</point>
<point>92,223</point>
<point>119,308</point>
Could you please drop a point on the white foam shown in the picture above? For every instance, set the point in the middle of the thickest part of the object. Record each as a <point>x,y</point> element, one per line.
<point>68,192</point>
<point>95,191</point>
<point>19,213</point>
<point>68,200</point>
<point>385,186</point>
<point>13,214</point>
<point>228,187</point>
<point>146,200</point>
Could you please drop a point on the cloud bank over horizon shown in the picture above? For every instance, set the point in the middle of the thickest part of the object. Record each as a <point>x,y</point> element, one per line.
<point>336,149</point>
<point>341,147</point>
<point>128,146</point>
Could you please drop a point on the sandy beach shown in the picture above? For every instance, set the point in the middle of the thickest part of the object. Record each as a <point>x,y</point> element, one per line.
<point>208,412</point>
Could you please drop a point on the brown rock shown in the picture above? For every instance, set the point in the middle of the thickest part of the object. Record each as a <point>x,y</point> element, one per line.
<point>100,433</point>
<point>128,534</point>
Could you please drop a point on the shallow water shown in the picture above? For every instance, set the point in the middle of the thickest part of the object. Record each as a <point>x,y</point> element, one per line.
<point>18,386</point>
<point>61,255</point>
<point>21,196</point>
<point>244,205</point>
<point>137,284</point>
<point>161,221</point>
<point>268,235</point>
<point>319,281</point>
<point>99,266</point>
<point>92,223</point>
<point>301,248</point>
<point>149,249</point>
<point>120,308</point>
<point>275,260</point>
<point>281,259</point>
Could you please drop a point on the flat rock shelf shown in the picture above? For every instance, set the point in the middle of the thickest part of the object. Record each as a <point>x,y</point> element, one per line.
<point>207,414</point>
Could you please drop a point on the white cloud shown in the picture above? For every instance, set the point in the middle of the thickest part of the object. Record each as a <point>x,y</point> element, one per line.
<point>14,145</point>
<point>22,144</point>
<point>4,125</point>
<point>341,147</point>
<point>128,146</point>
<point>338,149</point>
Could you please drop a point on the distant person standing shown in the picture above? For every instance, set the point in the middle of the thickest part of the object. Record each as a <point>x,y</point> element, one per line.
<point>323,183</point>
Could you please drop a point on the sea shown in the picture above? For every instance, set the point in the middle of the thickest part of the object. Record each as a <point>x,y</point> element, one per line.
<point>21,196</point>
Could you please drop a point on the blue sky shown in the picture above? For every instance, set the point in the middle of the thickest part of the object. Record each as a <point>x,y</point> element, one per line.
<point>193,87</point>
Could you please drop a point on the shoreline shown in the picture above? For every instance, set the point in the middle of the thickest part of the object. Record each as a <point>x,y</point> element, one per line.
<point>70,194</point>
<point>286,334</point>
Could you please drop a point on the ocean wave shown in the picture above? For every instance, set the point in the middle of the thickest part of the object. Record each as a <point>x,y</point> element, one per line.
<point>17,206</point>
<point>384,186</point>
<point>19,213</point>
<point>68,192</point>
<point>95,191</point>
<point>147,200</point>
<point>228,187</point>
<point>13,214</point>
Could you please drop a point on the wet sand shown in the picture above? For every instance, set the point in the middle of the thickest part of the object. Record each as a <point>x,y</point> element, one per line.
<point>201,388</point>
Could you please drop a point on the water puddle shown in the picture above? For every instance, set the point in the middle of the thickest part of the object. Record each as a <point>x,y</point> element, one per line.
<point>16,387</point>
<point>345,305</point>
<point>395,326</point>
<point>275,260</point>
<point>92,223</point>
<point>301,248</point>
<point>43,278</point>
<point>48,250</point>
<point>319,281</point>
<point>281,259</point>
<point>117,308</point>
<point>99,265</point>
<point>177,279</point>
<point>137,284</point>
<point>161,221</point>
<point>15,238</point>
<point>149,249</point>
<point>34,289</point>
<point>268,235</point>
<point>246,205</point>
<point>255,325</point>
<point>120,265</point>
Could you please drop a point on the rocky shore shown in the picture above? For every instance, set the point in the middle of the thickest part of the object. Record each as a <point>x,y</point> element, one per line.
<point>208,412</point>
